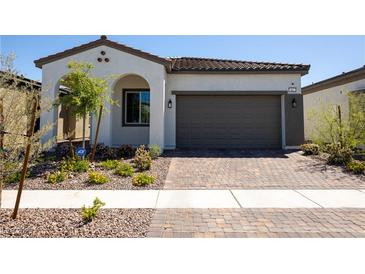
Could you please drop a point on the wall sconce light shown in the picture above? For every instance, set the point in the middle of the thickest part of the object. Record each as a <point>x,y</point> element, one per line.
<point>169,104</point>
<point>294,103</point>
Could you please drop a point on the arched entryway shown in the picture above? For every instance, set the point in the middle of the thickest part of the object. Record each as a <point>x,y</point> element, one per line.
<point>130,115</point>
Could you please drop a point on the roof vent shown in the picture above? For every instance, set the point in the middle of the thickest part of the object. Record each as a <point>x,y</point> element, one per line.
<point>103,37</point>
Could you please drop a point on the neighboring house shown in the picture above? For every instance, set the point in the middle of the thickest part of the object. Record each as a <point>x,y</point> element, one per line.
<point>187,102</point>
<point>22,83</point>
<point>331,92</point>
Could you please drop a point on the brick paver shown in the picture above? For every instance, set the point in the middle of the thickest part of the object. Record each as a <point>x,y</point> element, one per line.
<point>255,169</point>
<point>258,223</point>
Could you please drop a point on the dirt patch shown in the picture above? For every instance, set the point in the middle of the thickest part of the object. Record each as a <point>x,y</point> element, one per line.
<point>67,223</point>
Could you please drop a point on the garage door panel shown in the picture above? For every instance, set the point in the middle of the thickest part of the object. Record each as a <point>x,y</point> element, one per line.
<point>228,121</point>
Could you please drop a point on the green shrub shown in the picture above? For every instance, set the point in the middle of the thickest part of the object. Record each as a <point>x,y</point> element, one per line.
<point>142,159</point>
<point>154,151</point>
<point>356,167</point>
<point>89,213</point>
<point>57,177</point>
<point>13,178</point>
<point>142,179</point>
<point>126,151</point>
<point>110,164</point>
<point>310,149</point>
<point>97,178</point>
<point>81,166</point>
<point>338,155</point>
<point>125,170</point>
<point>74,165</point>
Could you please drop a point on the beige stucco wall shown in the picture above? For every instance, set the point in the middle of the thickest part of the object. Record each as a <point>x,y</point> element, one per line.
<point>314,102</point>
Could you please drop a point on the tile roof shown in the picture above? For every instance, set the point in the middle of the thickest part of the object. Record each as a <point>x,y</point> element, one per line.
<point>182,64</point>
<point>211,64</point>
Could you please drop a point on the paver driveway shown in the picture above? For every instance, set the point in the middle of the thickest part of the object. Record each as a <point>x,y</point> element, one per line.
<point>256,222</point>
<point>254,169</point>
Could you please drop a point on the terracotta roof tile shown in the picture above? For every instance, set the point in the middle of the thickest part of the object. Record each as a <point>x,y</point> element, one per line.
<point>210,64</point>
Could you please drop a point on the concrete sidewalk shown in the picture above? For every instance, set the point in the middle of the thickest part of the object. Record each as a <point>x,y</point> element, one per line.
<point>189,198</point>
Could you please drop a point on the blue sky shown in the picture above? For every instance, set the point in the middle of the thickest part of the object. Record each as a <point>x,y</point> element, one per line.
<point>327,55</point>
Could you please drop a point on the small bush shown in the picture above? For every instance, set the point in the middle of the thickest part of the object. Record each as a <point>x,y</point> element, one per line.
<point>57,177</point>
<point>142,159</point>
<point>89,213</point>
<point>74,165</point>
<point>126,151</point>
<point>110,164</point>
<point>124,170</point>
<point>356,167</point>
<point>13,178</point>
<point>310,149</point>
<point>81,166</point>
<point>97,178</point>
<point>142,179</point>
<point>338,155</point>
<point>154,151</point>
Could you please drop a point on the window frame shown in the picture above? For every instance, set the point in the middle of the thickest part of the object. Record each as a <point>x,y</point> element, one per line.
<point>124,107</point>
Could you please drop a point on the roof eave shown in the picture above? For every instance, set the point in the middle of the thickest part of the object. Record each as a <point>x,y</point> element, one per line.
<point>232,71</point>
<point>350,76</point>
<point>102,42</point>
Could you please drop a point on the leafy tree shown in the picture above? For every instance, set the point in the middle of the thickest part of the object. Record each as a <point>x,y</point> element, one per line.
<point>16,99</point>
<point>85,93</point>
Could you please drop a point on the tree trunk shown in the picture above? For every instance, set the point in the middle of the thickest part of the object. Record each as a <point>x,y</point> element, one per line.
<point>96,135</point>
<point>83,129</point>
<point>340,125</point>
<point>30,135</point>
<point>1,145</point>
<point>1,189</point>
<point>1,125</point>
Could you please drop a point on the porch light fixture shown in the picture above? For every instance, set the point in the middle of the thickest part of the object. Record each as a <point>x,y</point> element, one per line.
<point>169,104</point>
<point>294,103</point>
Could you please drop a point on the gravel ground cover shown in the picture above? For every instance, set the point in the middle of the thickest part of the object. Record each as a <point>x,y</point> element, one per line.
<point>38,180</point>
<point>67,223</point>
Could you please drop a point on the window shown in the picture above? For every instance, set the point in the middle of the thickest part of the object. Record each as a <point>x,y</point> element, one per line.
<point>136,107</point>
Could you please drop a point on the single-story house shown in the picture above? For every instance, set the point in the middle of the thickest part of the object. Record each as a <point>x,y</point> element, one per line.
<point>331,92</point>
<point>187,102</point>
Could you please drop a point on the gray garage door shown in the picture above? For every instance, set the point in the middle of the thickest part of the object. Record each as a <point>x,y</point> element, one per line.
<point>228,121</point>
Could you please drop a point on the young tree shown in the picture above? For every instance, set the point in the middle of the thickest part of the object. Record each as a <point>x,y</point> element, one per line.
<point>17,100</point>
<point>85,93</point>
